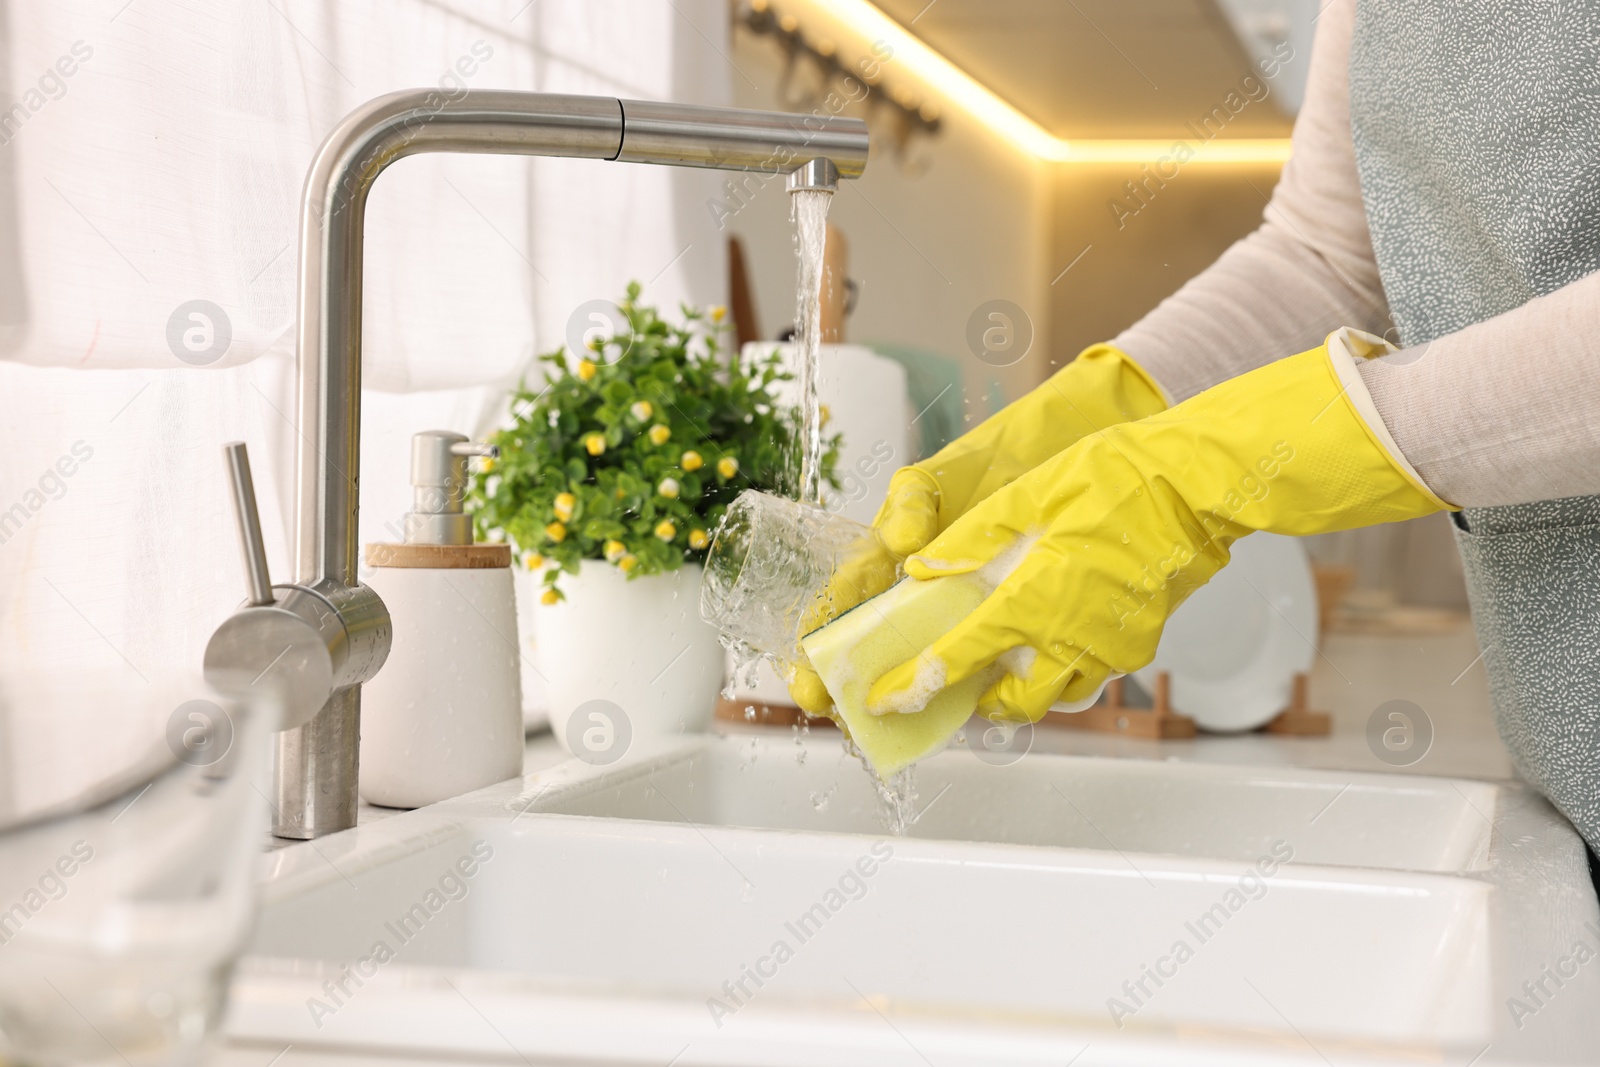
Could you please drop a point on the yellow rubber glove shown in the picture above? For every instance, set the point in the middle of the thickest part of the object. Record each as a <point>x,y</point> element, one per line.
<point>1091,552</point>
<point>1100,388</point>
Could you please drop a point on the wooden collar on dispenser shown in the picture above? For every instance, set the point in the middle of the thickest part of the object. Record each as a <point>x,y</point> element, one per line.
<point>447,557</point>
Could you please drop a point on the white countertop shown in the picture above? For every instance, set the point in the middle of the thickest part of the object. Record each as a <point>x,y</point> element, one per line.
<point>1442,674</point>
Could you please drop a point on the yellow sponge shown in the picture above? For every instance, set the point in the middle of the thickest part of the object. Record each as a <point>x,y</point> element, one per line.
<point>862,645</point>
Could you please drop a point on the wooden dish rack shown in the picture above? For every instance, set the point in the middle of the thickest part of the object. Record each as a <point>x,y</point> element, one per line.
<point>1159,722</point>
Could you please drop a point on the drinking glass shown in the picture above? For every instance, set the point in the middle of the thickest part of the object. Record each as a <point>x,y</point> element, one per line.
<point>769,564</point>
<point>131,816</point>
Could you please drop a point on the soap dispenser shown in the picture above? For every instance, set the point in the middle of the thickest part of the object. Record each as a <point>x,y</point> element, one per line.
<point>444,716</point>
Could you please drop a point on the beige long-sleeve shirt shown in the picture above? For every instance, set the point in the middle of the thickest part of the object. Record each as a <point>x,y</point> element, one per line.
<point>1505,411</point>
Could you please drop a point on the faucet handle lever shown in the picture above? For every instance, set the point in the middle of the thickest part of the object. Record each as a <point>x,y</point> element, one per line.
<point>244,508</point>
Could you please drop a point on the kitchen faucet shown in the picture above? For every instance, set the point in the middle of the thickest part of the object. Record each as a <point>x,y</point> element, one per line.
<point>319,638</point>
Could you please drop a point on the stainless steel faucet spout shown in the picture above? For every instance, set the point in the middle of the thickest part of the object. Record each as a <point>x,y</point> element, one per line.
<point>316,772</point>
<point>773,142</point>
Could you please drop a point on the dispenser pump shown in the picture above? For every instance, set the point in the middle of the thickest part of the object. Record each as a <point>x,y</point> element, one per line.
<point>438,482</point>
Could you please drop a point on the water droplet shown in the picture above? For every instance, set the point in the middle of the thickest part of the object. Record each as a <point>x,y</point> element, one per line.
<point>1126,539</point>
<point>897,800</point>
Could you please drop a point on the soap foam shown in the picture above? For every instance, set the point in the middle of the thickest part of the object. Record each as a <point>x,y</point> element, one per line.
<point>926,683</point>
<point>1008,559</point>
<point>1019,661</point>
<point>948,566</point>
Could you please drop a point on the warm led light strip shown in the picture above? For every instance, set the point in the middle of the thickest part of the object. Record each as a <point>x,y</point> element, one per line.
<point>1235,150</point>
<point>972,96</point>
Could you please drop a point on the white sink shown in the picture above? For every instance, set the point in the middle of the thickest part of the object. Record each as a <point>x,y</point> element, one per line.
<point>621,909</point>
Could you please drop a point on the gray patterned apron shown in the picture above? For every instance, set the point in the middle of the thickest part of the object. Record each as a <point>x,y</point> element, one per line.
<point>1477,136</point>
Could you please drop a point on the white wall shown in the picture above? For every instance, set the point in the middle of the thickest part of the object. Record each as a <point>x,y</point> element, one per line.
<point>927,249</point>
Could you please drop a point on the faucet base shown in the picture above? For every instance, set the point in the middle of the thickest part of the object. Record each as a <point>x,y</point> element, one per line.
<point>316,782</point>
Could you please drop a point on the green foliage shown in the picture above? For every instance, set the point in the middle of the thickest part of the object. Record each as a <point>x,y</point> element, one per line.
<point>633,460</point>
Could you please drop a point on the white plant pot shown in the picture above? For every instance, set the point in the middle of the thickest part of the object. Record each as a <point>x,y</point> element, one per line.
<point>535,704</point>
<point>638,645</point>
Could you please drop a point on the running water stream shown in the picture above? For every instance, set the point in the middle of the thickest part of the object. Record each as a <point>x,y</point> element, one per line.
<point>809,209</point>
<point>809,212</point>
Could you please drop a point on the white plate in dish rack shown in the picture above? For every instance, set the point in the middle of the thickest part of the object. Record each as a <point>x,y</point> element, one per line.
<point>1232,650</point>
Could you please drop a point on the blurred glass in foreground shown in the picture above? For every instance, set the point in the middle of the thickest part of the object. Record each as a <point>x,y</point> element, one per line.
<point>131,814</point>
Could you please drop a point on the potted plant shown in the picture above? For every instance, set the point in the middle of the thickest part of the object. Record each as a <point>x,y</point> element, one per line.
<point>610,482</point>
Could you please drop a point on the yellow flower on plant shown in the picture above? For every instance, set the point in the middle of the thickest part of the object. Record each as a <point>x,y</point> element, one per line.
<point>666,529</point>
<point>565,502</point>
<point>556,532</point>
<point>718,313</point>
<point>549,596</point>
<point>824,415</point>
<point>594,444</point>
<point>642,409</point>
<point>615,550</point>
<point>487,465</point>
<point>727,466</point>
<point>587,370</point>
<point>628,562</point>
<point>698,539</point>
<point>659,434</point>
<point>668,488</point>
<point>692,461</point>
<point>532,561</point>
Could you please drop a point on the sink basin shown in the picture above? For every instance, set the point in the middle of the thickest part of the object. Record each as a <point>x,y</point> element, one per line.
<point>1218,813</point>
<point>736,900</point>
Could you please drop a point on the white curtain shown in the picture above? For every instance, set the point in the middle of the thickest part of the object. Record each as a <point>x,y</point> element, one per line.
<point>151,156</point>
